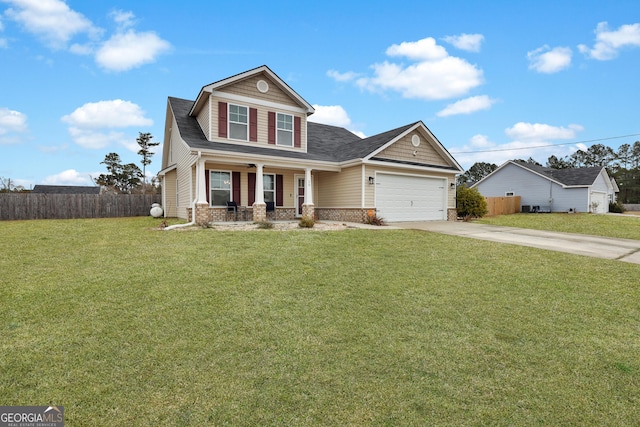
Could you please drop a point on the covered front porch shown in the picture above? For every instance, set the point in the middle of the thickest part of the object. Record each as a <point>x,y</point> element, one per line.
<point>255,192</point>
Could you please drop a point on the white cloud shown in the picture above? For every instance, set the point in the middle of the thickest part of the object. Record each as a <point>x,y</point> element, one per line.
<point>123,19</point>
<point>468,42</point>
<point>51,20</point>
<point>108,114</point>
<point>548,61</point>
<point>333,115</point>
<point>342,77</point>
<point>91,125</point>
<point>435,75</point>
<point>423,50</point>
<point>56,24</point>
<point>125,51</point>
<point>11,123</point>
<point>93,139</point>
<point>467,106</point>
<point>70,177</point>
<point>541,132</point>
<point>527,140</point>
<point>608,43</point>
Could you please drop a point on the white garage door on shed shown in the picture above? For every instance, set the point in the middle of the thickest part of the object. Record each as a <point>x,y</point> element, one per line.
<point>599,202</point>
<point>410,198</point>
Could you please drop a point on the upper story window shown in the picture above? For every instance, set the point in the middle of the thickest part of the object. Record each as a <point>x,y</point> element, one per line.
<point>284,130</point>
<point>238,122</point>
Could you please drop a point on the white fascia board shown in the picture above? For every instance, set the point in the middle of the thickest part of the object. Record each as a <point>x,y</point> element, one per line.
<point>391,142</point>
<point>167,169</point>
<point>409,167</point>
<point>235,158</point>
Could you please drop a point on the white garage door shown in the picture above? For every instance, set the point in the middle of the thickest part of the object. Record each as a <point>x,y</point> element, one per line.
<point>410,198</point>
<point>599,202</point>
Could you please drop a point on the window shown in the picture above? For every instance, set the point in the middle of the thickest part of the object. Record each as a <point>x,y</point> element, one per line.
<point>269,185</point>
<point>238,122</point>
<point>220,186</point>
<point>285,130</point>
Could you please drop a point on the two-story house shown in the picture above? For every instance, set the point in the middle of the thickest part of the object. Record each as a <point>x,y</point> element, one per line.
<point>247,139</point>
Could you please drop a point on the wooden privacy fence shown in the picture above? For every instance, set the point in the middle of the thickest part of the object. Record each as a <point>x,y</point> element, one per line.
<point>65,206</point>
<point>503,205</point>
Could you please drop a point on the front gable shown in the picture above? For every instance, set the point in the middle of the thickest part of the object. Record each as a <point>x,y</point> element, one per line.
<point>416,146</point>
<point>256,108</point>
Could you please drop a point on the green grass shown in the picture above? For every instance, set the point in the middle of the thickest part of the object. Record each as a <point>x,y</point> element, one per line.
<point>126,325</point>
<point>624,227</point>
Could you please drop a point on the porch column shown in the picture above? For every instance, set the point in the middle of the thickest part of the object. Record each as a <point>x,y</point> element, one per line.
<point>259,206</point>
<point>259,184</point>
<point>308,209</point>
<point>201,214</point>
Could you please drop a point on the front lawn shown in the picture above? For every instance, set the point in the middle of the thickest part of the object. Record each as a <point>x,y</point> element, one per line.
<point>624,227</point>
<point>126,325</point>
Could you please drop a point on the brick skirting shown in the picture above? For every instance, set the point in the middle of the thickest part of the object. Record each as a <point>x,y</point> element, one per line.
<point>289,214</point>
<point>342,214</point>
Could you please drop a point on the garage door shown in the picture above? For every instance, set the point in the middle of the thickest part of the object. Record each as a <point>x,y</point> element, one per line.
<point>599,202</point>
<point>410,198</point>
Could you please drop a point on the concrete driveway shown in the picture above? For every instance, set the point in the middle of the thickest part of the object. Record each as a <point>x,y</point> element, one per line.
<point>600,247</point>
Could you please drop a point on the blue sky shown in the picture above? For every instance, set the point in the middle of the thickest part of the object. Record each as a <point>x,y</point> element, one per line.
<point>493,80</point>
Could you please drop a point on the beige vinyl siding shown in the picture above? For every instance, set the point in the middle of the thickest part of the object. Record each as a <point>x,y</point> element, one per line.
<point>203,118</point>
<point>182,156</point>
<point>340,190</point>
<point>169,189</point>
<point>404,150</point>
<point>248,87</point>
<point>370,170</point>
<point>263,123</point>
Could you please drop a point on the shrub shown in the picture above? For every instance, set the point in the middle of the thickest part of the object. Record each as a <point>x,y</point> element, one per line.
<point>470,203</point>
<point>373,219</point>
<point>306,222</point>
<point>265,225</point>
<point>616,207</point>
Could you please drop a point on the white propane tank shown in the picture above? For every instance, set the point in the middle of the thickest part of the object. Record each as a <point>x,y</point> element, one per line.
<point>156,210</point>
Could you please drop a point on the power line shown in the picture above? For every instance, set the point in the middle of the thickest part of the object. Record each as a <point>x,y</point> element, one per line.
<point>544,146</point>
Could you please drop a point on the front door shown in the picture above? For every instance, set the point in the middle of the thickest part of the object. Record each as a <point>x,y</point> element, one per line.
<point>299,194</point>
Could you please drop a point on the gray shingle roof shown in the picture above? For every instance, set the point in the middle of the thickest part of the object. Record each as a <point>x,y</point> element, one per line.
<point>324,142</point>
<point>574,176</point>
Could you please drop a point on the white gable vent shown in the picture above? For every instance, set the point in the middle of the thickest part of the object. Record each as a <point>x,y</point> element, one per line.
<point>262,86</point>
<point>415,140</point>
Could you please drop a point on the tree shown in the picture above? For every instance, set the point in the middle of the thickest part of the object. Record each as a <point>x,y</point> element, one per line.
<point>470,203</point>
<point>121,178</point>
<point>476,172</point>
<point>144,141</point>
<point>529,161</point>
<point>7,185</point>
<point>555,163</point>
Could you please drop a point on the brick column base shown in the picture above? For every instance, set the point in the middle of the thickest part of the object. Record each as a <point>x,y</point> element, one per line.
<point>308,210</point>
<point>452,214</point>
<point>202,214</point>
<point>259,212</point>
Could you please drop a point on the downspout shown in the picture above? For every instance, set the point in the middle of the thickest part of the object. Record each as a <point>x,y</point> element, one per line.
<point>193,203</point>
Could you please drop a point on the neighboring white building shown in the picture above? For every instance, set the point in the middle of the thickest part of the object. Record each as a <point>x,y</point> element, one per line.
<point>551,190</point>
